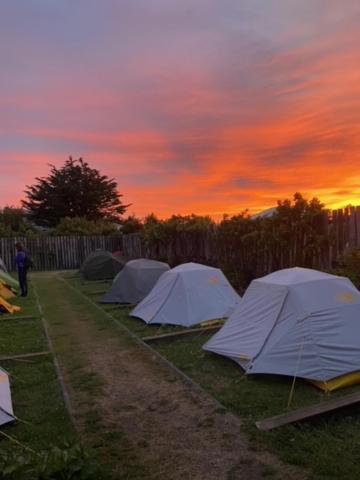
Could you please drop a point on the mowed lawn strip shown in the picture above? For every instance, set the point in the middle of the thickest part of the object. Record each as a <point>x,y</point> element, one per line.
<point>75,328</point>
<point>329,446</point>
<point>36,393</point>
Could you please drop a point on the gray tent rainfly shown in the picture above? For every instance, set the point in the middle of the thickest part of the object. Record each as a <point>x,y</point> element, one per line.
<point>297,322</point>
<point>187,295</point>
<point>135,281</point>
<point>6,409</point>
<point>101,265</point>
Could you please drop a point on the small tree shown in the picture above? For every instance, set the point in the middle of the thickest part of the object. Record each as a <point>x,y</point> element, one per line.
<point>74,190</point>
<point>14,222</point>
<point>131,224</point>
<point>177,234</point>
<point>297,229</point>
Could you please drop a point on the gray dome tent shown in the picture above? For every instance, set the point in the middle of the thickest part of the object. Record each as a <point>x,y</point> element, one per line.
<point>135,281</point>
<point>296,322</point>
<point>101,265</point>
<point>187,295</point>
<point>6,408</point>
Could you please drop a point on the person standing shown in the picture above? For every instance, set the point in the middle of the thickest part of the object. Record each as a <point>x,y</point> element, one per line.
<point>21,265</point>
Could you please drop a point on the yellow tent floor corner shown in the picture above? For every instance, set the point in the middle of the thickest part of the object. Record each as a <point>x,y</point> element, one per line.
<point>210,323</point>
<point>343,381</point>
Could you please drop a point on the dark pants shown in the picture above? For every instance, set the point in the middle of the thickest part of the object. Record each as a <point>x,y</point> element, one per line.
<point>23,281</point>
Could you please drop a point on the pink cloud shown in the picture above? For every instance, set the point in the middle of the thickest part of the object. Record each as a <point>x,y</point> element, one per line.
<point>207,114</point>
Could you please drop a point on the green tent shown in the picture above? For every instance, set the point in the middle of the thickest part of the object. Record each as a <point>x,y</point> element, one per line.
<point>101,265</point>
<point>8,280</point>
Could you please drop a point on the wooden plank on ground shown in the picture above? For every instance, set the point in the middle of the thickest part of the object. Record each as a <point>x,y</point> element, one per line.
<point>109,307</point>
<point>91,282</point>
<point>188,333</point>
<point>116,305</point>
<point>12,317</point>
<point>25,355</point>
<point>307,412</point>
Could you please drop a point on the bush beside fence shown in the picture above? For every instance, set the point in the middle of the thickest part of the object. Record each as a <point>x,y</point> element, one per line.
<point>262,248</point>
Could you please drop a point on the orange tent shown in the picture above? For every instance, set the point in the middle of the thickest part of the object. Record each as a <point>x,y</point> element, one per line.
<point>6,307</point>
<point>5,291</point>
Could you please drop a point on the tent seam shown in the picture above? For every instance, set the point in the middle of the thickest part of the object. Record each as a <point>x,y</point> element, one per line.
<point>310,316</point>
<point>166,299</point>
<point>272,328</point>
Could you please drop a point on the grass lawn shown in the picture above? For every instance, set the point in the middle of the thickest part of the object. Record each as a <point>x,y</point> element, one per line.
<point>36,393</point>
<point>329,446</point>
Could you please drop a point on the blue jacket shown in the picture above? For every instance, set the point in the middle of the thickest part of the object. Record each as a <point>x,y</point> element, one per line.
<point>20,259</point>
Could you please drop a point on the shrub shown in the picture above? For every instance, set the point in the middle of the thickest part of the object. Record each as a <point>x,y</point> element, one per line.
<point>349,266</point>
<point>68,463</point>
<point>131,224</point>
<point>14,223</point>
<point>82,226</point>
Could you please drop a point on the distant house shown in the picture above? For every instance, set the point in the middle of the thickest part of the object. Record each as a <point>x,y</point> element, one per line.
<point>269,212</point>
<point>39,228</point>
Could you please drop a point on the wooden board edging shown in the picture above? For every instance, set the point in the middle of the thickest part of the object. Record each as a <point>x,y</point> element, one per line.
<point>189,333</point>
<point>59,374</point>
<point>307,412</point>
<point>24,356</point>
<point>13,318</point>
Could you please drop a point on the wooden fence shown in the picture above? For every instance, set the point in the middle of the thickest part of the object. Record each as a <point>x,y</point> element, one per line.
<point>182,248</point>
<point>333,232</point>
<point>338,229</point>
<point>57,253</point>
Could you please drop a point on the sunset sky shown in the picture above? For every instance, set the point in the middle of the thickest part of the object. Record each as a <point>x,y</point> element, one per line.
<point>194,106</point>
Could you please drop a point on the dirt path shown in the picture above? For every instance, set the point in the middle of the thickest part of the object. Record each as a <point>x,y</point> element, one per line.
<point>122,396</point>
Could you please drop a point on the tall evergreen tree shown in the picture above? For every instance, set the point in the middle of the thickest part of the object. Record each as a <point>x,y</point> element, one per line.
<point>73,190</point>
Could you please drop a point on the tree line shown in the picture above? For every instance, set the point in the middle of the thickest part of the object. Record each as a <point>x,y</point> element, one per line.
<point>243,246</point>
<point>75,199</point>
